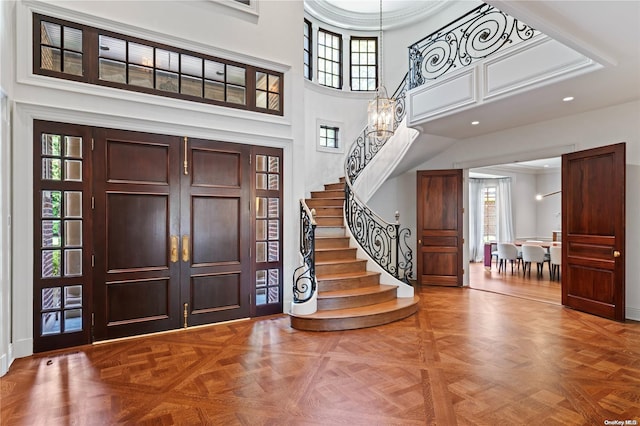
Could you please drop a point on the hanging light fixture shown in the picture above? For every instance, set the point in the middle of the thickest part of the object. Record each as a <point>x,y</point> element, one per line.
<point>381,111</point>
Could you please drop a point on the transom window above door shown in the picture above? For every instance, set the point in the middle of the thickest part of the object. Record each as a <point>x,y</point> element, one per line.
<point>77,52</point>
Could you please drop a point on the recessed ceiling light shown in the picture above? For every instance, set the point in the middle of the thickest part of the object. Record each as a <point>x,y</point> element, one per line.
<point>475,123</point>
<point>567,99</point>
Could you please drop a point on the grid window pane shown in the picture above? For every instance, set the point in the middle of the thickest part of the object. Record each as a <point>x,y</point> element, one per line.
<point>489,206</point>
<point>329,59</point>
<point>307,50</point>
<point>112,48</point>
<point>167,60</point>
<point>112,71</point>
<point>364,64</point>
<point>133,63</point>
<point>329,137</point>
<point>140,54</point>
<point>191,65</point>
<point>50,59</point>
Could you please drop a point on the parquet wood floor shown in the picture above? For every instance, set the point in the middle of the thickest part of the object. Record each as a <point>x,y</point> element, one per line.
<point>542,289</point>
<point>467,357</point>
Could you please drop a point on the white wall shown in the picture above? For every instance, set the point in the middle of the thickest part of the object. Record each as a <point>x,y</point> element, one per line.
<point>619,123</point>
<point>6,86</point>
<point>345,110</point>
<point>549,209</point>
<point>271,40</point>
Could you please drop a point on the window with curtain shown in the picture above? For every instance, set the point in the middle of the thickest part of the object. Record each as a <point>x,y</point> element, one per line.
<point>489,229</point>
<point>490,214</point>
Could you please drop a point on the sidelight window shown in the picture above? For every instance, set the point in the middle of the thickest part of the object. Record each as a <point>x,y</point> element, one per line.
<point>268,231</point>
<point>60,222</point>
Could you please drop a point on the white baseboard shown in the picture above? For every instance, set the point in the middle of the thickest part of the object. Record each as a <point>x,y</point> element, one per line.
<point>6,360</point>
<point>632,313</point>
<point>23,348</point>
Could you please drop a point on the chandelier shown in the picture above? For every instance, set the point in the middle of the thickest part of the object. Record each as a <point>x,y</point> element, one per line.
<point>381,111</point>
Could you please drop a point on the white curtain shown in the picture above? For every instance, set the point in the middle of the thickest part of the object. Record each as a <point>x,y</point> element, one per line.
<point>504,215</point>
<point>476,220</point>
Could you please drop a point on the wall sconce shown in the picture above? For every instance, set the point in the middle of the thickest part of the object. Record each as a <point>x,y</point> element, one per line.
<point>541,196</point>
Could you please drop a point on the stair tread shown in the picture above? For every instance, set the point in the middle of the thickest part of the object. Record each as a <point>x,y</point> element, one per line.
<point>356,291</point>
<point>339,261</point>
<point>327,249</point>
<point>363,311</point>
<point>346,275</point>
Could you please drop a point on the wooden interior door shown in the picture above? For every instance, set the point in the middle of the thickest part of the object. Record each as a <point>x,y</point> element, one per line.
<point>136,220</point>
<point>215,229</point>
<point>593,226</point>
<point>439,227</point>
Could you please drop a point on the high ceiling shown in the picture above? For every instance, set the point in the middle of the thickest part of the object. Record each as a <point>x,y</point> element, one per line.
<point>365,14</point>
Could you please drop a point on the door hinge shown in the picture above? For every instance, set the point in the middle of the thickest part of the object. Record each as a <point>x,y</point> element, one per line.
<point>93,319</point>
<point>249,159</point>
<point>93,203</point>
<point>185,313</point>
<point>92,144</point>
<point>93,260</point>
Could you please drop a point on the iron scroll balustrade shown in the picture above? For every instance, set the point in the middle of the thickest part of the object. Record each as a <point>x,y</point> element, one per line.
<point>384,242</point>
<point>304,283</point>
<point>364,148</point>
<point>474,36</point>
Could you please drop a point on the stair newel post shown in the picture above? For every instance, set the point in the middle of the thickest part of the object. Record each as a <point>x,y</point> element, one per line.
<point>397,239</point>
<point>304,277</point>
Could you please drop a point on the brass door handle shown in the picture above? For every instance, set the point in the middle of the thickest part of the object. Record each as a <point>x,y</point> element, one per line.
<point>173,255</point>
<point>616,253</point>
<point>185,248</point>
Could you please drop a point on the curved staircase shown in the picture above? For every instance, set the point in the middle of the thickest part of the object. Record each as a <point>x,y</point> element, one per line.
<point>349,296</point>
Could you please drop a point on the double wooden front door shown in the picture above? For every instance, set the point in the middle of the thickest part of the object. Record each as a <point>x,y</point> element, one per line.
<point>172,246</point>
<point>151,233</point>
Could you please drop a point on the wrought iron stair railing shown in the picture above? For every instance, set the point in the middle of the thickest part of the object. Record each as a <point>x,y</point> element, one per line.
<point>385,242</point>
<point>472,37</point>
<point>304,283</point>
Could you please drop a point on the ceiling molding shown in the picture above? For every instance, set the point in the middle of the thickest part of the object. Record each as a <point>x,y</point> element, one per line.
<point>327,12</point>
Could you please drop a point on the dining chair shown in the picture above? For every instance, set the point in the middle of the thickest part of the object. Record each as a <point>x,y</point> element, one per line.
<point>534,253</point>
<point>494,253</point>
<point>555,260</point>
<point>507,251</point>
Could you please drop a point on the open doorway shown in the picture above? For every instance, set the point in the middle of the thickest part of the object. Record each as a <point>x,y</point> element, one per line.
<point>517,203</point>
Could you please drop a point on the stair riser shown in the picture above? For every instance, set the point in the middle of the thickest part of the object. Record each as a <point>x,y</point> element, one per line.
<point>329,211</point>
<point>333,303</point>
<point>339,268</point>
<point>323,256</point>
<point>329,221</point>
<point>348,283</point>
<point>330,231</point>
<point>327,194</point>
<point>352,323</point>
<point>334,187</point>
<point>324,202</point>
<point>338,242</point>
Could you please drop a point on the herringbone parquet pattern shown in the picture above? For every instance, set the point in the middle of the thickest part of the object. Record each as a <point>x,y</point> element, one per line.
<point>468,357</point>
